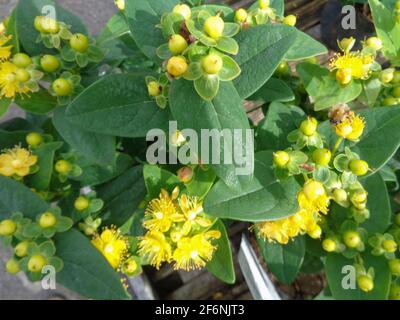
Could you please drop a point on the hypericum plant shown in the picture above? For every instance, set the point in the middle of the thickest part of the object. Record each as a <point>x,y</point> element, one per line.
<point>77,193</point>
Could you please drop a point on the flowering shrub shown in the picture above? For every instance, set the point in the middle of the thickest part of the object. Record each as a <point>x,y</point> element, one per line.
<point>79,192</point>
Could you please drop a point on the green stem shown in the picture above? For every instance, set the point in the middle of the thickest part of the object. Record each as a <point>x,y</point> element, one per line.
<point>305,176</point>
<point>337,145</point>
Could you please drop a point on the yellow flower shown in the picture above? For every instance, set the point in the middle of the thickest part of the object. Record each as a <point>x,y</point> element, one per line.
<point>5,51</point>
<point>9,84</point>
<point>355,64</point>
<point>161,213</point>
<point>191,208</point>
<point>155,247</point>
<point>112,245</point>
<point>312,201</point>
<point>194,252</point>
<point>351,128</point>
<point>17,161</point>
<point>313,197</point>
<point>284,229</point>
<point>120,4</point>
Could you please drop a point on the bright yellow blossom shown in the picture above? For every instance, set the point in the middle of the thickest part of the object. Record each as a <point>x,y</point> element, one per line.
<point>120,4</point>
<point>5,51</point>
<point>313,197</point>
<point>193,253</point>
<point>112,245</point>
<point>313,201</point>
<point>9,84</point>
<point>351,128</point>
<point>161,213</point>
<point>355,64</point>
<point>154,247</point>
<point>191,208</point>
<point>17,161</point>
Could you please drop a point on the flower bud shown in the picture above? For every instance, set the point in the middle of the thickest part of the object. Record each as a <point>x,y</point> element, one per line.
<point>282,69</point>
<point>241,15</point>
<point>185,174</point>
<point>34,139</point>
<point>290,20</point>
<point>315,233</point>
<point>339,195</point>
<point>387,75</point>
<point>322,157</point>
<point>329,245</point>
<point>309,127</point>
<point>352,239</point>
<point>396,92</point>
<point>36,263</point>
<point>389,246</point>
<point>12,266</point>
<point>184,10</point>
<point>49,63</point>
<point>154,89</point>
<point>390,101</point>
<point>79,42</point>
<point>63,167</point>
<point>281,159</point>
<point>344,76</point>
<point>7,228</point>
<point>264,4</point>
<point>346,44</point>
<point>396,77</point>
<point>47,220</point>
<point>212,64</point>
<point>359,167</point>
<point>120,4</point>
<point>214,27</point>
<point>374,43</point>
<point>21,60</point>
<point>313,189</point>
<point>177,139</point>
<point>394,293</point>
<point>81,203</point>
<point>21,250</point>
<point>177,66</point>
<point>360,196</point>
<point>177,44</point>
<point>62,87</point>
<point>397,219</point>
<point>394,266</point>
<point>365,283</point>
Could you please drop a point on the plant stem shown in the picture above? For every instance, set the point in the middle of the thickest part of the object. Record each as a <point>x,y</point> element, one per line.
<point>305,176</point>
<point>337,145</point>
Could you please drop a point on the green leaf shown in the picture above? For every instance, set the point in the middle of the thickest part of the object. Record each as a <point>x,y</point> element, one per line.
<point>143,17</point>
<point>378,205</point>
<point>228,45</point>
<point>119,105</point>
<point>202,182</point>
<point>45,152</point>
<point>284,261</point>
<point>26,12</point>
<point>387,29</point>
<point>221,264</point>
<point>262,48</point>
<point>304,47</point>
<point>115,28</point>
<point>280,120</point>
<point>11,139</point>
<point>207,86</point>
<point>156,179</point>
<point>40,102</point>
<point>123,195</point>
<point>371,90</point>
<point>15,197</point>
<point>224,112</point>
<point>278,5</point>
<point>12,30</point>
<point>226,12</point>
<point>4,105</point>
<point>97,147</point>
<point>263,198</point>
<point>230,69</point>
<point>334,268</point>
<point>322,86</point>
<point>274,90</point>
<point>374,146</point>
<point>94,175</point>
<point>85,270</point>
